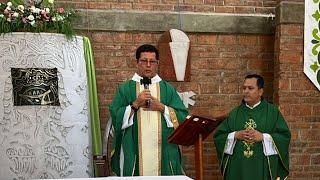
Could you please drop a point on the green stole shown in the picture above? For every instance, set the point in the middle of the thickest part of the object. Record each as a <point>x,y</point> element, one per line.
<point>253,164</point>
<point>128,138</point>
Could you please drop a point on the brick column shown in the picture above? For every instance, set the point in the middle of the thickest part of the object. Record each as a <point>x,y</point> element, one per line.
<point>297,97</point>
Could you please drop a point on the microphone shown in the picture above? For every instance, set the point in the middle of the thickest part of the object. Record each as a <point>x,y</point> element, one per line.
<point>145,81</point>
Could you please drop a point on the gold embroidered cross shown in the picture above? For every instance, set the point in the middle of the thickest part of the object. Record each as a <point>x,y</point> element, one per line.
<point>250,125</point>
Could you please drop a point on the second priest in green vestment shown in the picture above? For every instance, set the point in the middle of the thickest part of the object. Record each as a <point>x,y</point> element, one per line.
<point>248,160</point>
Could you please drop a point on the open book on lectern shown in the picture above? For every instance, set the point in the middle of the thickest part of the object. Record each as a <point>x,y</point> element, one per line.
<point>188,132</point>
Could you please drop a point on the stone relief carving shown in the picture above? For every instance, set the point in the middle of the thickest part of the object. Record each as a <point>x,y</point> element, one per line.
<point>44,141</point>
<point>35,86</point>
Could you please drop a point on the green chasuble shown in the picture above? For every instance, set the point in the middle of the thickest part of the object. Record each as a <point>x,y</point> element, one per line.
<point>248,161</point>
<point>128,138</point>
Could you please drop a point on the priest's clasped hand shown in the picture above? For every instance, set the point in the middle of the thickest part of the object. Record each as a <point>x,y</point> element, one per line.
<point>250,136</point>
<point>154,104</point>
<point>142,98</point>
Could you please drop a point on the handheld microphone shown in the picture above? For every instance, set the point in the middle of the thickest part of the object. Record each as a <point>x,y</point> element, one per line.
<point>145,81</point>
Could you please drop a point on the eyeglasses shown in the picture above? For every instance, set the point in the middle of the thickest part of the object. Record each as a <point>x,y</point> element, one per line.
<point>146,62</point>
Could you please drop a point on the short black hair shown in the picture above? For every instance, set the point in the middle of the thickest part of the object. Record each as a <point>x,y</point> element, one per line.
<point>146,48</point>
<point>260,81</point>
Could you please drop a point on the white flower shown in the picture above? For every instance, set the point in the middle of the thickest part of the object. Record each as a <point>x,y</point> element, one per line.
<point>32,8</point>
<point>9,3</point>
<point>1,15</point>
<point>59,18</point>
<point>31,18</point>
<point>37,10</point>
<point>47,10</point>
<point>21,8</point>
<point>54,19</point>
<point>50,1</point>
<point>9,19</point>
<point>32,23</point>
<point>15,14</point>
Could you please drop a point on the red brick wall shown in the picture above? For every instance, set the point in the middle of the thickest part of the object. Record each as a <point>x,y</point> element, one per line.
<point>219,6</point>
<point>219,63</point>
<point>299,101</point>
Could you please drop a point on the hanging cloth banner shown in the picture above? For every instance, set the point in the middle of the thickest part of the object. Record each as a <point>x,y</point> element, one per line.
<point>93,99</point>
<point>312,41</point>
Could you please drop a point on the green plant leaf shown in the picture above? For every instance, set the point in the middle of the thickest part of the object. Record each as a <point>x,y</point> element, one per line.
<point>17,2</point>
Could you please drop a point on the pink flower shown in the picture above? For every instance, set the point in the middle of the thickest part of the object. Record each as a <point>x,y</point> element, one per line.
<point>24,20</point>
<point>6,11</point>
<point>45,14</point>
<point>60,10</point>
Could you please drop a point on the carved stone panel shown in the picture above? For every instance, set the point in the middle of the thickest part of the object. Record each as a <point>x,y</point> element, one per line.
<point>35,86</point>
<point>44,141</point>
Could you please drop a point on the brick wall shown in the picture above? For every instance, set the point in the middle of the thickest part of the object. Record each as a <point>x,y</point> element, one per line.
<point>299,101</point>
<point>219,6</point>
<point>219,63</point>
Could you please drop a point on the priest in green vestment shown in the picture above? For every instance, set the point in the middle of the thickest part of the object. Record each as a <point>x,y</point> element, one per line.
<point>145,111</point>
<point>252,143</point>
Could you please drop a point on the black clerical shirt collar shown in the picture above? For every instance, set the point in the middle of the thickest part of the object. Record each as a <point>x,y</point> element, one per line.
<point>155,79</point>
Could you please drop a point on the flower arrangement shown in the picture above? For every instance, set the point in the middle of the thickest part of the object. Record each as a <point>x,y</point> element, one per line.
<point>16,15</point>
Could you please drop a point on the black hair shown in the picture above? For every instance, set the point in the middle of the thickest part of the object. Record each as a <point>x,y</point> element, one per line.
<point>260,81</point>
<point>146,48</point>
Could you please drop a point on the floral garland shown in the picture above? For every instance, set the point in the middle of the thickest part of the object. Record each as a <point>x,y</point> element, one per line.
<point>36,17</point>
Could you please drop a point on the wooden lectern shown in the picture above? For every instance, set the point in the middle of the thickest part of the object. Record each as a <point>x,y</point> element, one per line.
<point>193,131</point>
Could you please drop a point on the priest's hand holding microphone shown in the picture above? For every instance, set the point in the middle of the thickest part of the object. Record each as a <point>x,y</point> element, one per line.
<point>146,100</point>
